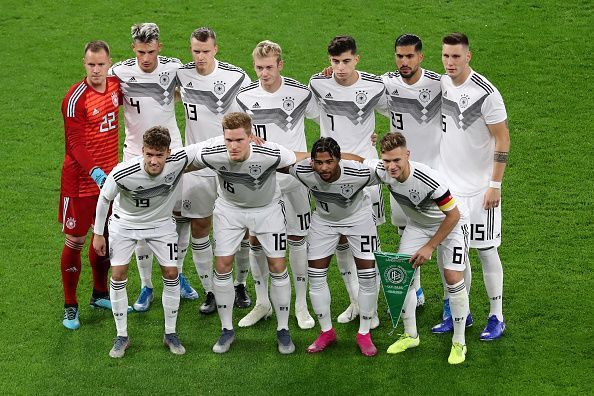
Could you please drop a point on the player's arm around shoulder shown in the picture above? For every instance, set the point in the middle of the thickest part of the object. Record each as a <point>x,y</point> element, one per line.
<point>500,132</point>
<point>194,152</point>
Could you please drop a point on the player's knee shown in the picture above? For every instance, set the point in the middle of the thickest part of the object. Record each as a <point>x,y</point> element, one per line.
<point>296,238</point>
<point>169,272</point>
<point>453,277</point>
<point>119,272</point>
<point>276,265</point>
<point>201,227</point>
<point>76,239</point>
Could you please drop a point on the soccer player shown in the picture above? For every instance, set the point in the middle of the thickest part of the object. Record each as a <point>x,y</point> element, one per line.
<point>342,210</point>
<point>148,83</point>
<point>278,106</point>
<point>434,221</point>
<point>208,89</point>
<point>414,109</point>
<point>347,101</point>
<point>249,198</point>
<point>473,155</point>
<point>144,189</point>
<point>90,111</point>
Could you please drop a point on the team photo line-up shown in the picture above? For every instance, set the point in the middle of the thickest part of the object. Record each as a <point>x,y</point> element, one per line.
<point>442,163</point>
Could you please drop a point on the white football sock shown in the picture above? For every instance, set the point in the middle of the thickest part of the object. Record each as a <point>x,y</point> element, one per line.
<point>298,262</point>
<point>144,261</point>
<point>119,305</point>
<point>202,256</point>
<point>417,279</point>
<point>242,262</point>
<point>367,298</point>
<point>409,310</point>
<point>170,298</point>
<point>346,266</point>
<point>468,276</point>
<point>182,226</point>
<point>225,296</point>
<point>280,294</point>
<point>319,295</point>
<point>259,266</point>
<point>493,277</point>
<point>459,309</point>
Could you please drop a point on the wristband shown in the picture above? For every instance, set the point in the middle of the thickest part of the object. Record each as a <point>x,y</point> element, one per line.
<point>98,176</point>
<point>494,184</point>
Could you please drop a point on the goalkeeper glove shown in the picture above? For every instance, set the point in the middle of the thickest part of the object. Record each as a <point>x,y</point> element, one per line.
<point>98,176</point>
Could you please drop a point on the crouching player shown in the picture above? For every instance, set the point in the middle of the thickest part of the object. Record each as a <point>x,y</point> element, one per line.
<point>434,221</point>
<point>145,189</point>
<point>343,208</point>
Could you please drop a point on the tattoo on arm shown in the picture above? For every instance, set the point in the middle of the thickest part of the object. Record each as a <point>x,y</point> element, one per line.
<point>500,156</point>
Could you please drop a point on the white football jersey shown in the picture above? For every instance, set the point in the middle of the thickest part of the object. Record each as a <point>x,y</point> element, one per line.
<point>423,196</point>
<point>247,184</point>
<point>342,202</point>
<point>208,98</point>
<point>467,147</point>
<point>142,201</point>
<point>415,111</point>
<point>149,100</point>
<point>347,113</point>
<point>279,116</point>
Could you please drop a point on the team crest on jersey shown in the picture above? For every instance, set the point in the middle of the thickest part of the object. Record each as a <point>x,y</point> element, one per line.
<point>414,196</point>
<point>70,223</point>
<point>219,87</point>
<point>288,104</point>
<point>114,98</point>
<point>347,190</point>
<point>164,79</point>
<point>464,99</point>
<point>170,177</point>
<point>255,171</point>
<point>187,204</point>
<point>424,95</point>
<point>361,97</point>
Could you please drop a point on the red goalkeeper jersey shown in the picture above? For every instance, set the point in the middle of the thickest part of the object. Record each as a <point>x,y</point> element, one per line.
<point>91,129</point>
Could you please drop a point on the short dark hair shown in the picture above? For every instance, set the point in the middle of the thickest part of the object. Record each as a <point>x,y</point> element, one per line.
<point>156,137</point>
<point>237,120</point>
<point>455,39</point>
<point>405,40</point>
<point>97,46</point>
<point>202,34</point>
<point>325,145</point>
<point>392,141</point>
<point>342,44</point>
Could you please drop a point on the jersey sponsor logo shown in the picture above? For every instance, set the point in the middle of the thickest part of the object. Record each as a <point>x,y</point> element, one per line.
<point>70,223</point>
<point>395,92</point>
<point>328,95</point>
<point>71,269</point>
<point>347,190</point>
<point>464,100</point>
<point>219,87</point>
<point>140,188</point>
<point>223,168</point>
<point>256,105</point>
<point>361,97</point>
<point>95,112</point>
<point>255,171</point>
<point>424,95</point>
<point>132,79</point>
<point>414,196</point>
<point>288,104</point>
<point>189,84</point>
<point>114,99</point>
<point>164,79</point>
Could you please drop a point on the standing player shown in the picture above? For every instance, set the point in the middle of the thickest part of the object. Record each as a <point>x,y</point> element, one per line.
<point>208,89</point>
<point>414,109</point>
<point>249,198</point>
<point>278,106</point>
<point>145,190</point>
<point>347,102</point>
<point>148,83</point>
<point>342,210</point>
<point>90,111</point>
<point>433,222</point>
<point>473,155</point>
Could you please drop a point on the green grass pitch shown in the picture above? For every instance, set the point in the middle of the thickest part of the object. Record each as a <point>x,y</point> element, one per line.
<point>538,53</point>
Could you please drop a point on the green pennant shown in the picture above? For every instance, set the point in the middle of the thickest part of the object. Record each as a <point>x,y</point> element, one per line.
<point>396,274</point>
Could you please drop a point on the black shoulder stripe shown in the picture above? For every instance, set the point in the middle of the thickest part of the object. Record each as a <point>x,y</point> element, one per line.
<point>190,65</point>
<point>252,85</point>
<point>295,83</point>
<point>425,179</point>
<point>481,83</point>
<point>127,171</point>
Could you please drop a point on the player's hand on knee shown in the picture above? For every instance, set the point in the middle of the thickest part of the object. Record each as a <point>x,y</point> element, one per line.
<point>98,176</point>
<point>492,198</point>
<point>99,244</point>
